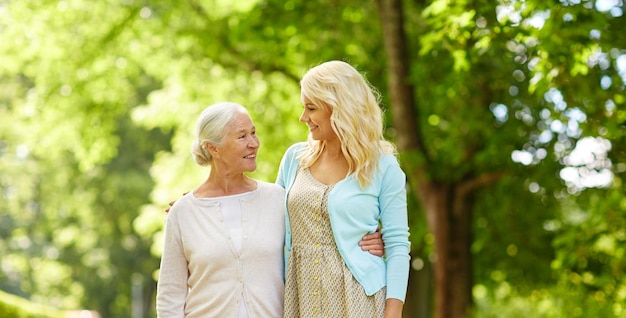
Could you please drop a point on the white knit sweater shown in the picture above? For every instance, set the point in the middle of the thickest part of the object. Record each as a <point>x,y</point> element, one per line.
<point>201,273</point>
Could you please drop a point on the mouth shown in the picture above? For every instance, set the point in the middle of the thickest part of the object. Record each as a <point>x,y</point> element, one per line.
<point>252,156</point>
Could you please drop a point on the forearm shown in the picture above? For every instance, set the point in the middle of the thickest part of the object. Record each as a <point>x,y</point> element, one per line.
<point>393,308</point>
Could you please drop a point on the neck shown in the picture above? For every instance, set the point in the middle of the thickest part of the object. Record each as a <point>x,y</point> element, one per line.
<point>222,184</point>
<point>332,150</point>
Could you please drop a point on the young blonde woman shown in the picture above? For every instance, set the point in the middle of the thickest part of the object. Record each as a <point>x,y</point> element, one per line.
<point>340,185</point>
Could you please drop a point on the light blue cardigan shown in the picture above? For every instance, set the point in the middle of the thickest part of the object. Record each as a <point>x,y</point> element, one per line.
<point>354,212</point>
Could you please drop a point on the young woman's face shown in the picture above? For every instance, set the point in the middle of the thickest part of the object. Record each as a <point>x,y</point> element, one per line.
<point>317,117</point>
<point>240,146</point>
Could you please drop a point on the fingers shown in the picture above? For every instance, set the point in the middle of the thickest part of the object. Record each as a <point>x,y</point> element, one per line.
<point>168,209</point>
<point>373,243</point>
<point>373,247</point>
<point>372,236</point>
<point>172,203</point>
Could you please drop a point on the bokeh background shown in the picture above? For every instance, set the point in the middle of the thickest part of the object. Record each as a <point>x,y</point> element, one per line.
<point>509,117</point>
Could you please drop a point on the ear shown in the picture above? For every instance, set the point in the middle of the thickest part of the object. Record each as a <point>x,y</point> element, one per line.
<point>211,148</point>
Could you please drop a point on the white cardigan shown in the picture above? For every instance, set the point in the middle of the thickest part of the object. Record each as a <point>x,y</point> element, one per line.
<point>201,275</point>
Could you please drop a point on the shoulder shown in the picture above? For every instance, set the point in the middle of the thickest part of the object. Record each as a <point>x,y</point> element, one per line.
<point>270,188</point>
<point>388,160</point>
<point>389,166</point>
<point>295,149</point>
<point>289,158</point>
<point>180,207</point>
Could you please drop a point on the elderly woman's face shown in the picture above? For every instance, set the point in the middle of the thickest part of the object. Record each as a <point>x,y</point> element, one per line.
<point>240,146</point>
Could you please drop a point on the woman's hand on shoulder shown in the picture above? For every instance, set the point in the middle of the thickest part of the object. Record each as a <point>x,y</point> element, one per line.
<point>172,203</point>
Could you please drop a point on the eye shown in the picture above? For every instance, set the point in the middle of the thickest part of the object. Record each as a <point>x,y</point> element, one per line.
<point>309,107</point>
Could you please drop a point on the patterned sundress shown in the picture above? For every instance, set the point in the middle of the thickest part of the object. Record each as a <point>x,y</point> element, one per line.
<point>318,283</point>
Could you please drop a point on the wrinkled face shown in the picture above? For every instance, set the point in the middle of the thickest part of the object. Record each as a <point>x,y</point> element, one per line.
<point>317,117</point>
<point>239,148</point>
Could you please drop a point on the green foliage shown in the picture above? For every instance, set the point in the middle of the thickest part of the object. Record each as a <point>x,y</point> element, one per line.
<point>98,102</point>
<point>489,85</point>
<point>17,307</point>
<point>591,245</point>
<point>75,170</point>
<point>521,229</point>
<point>509,301</point>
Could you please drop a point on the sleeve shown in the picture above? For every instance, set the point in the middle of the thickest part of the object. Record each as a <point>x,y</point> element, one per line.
<point>173,273</point>
<point>395,230</point>
<point>281,177</point>
<point>281,180</point>
<point>288,164</point>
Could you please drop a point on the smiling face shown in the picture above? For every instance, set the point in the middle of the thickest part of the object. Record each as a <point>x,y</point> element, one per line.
<point>317,117</point>
<point>240,145</point>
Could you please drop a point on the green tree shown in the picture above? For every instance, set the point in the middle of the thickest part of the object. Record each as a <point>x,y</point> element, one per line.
<point>486,101</point>
<point>514,80</point>
<point>75,169</point>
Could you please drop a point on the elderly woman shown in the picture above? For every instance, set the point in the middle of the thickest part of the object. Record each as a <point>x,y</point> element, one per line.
<point>223,249</point>
<point>224,241</point>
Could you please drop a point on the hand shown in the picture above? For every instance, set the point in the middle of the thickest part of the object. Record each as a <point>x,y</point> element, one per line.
<point>172,203</point>
<point>373,243</point>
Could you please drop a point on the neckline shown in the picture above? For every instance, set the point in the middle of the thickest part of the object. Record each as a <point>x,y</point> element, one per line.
<point>193,194</point>
<point>308,171</point>
<point>229,196</point>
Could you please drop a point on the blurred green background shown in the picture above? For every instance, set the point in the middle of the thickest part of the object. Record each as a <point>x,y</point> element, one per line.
<point>509,115</point>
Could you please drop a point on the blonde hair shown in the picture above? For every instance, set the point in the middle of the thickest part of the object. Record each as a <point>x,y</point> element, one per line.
<point>211,128</point>
<point>356,117</point>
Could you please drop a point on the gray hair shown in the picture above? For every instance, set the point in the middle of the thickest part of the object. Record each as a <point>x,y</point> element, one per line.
<point>211,128</point>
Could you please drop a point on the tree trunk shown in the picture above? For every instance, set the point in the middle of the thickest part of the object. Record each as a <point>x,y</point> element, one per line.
<point>446,205</point>
<point>449,219</point>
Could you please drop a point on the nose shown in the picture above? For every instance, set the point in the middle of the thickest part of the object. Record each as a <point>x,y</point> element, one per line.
<point>304,118</point>
<point>254,142</point>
